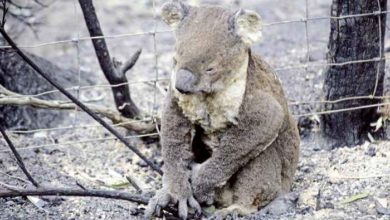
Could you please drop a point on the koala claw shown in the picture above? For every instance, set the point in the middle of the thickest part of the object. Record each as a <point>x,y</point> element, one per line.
<point>183,206</point>
<point>162,199</point>
<point>155,204</point>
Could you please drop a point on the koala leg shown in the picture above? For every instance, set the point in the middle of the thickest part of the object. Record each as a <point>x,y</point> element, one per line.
<point>264,178</point>
<point>287,146</point>
<point>259,182</point>
<point>253,186</point>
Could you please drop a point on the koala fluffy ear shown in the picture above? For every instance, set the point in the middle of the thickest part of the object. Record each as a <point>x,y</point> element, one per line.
<point>173,13</point>
<point>248,26</point>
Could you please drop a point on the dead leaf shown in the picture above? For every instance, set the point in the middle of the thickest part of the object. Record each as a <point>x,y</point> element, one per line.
<point>354,198</point>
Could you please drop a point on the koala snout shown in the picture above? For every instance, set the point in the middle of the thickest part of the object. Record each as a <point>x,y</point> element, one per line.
<point>185,81</point>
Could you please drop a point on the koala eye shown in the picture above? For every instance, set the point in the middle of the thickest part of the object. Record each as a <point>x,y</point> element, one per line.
<point>174,61</point>
<point>211,71</point>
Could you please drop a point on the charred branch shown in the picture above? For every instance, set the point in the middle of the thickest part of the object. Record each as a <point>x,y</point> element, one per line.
<point>13,191</point>
<point>114,74</point>
<point>11,98</point>
<point>51,191</point>
<point>18,157</point>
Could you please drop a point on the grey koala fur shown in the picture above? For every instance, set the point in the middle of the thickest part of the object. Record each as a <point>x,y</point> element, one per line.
<point>227,135</point>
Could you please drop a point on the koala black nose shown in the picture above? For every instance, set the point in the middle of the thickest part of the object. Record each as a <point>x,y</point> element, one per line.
<point>183,91</point>
<point>185,81</point>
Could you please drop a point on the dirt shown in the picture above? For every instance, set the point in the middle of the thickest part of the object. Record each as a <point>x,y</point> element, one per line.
<point>345,183</point>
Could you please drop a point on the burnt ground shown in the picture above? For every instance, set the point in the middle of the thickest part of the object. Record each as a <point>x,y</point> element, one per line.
<point>345,183</point>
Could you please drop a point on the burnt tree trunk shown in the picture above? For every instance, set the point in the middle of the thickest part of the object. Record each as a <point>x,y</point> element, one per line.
<point>352,39</point>
<point>114,74</point>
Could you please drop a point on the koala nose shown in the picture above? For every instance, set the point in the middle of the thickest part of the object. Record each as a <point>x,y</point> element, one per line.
<point>183,91</point>
<point>185,81</point>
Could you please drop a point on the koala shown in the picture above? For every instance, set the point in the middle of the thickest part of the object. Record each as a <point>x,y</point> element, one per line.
<point>227,136</point>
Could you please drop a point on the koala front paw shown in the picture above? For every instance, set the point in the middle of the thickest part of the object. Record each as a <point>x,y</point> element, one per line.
<point>163,198</point>
<point>202,192</point>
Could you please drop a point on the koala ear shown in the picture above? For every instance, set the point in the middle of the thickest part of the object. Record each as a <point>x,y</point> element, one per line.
<point>173,13</point>
<point>248,26</point>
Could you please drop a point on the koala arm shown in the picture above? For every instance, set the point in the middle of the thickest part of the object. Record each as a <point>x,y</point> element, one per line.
<point>176,145</point>
<point>177,155</point>
<point>257,128</point>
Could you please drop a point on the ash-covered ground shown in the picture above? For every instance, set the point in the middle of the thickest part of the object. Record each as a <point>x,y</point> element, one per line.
<point>345,183</point>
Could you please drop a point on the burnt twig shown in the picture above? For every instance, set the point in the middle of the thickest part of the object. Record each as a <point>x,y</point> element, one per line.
<point>17,156</point>
<point>5,11</point>
<point>51,191</point>
<point>131,62</point>
<point>122,97</point>
<point>108,194</point>
<point>134,183</point>
<point>8,97</point>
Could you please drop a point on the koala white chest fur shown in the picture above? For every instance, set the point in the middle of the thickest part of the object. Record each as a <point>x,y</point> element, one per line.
<point>214,112</point>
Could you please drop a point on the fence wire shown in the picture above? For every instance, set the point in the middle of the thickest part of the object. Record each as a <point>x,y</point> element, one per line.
<point>153,109</point>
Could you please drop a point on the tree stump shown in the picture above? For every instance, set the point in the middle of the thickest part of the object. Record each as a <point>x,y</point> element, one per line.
<point>353,39</point>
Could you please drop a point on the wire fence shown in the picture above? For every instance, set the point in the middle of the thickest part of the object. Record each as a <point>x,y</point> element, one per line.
<point>153,112</point>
